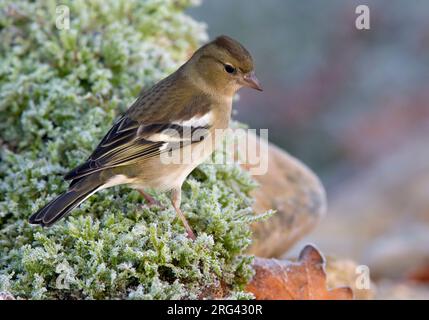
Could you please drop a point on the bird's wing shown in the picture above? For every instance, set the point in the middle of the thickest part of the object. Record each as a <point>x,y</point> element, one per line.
<point>128,142</point>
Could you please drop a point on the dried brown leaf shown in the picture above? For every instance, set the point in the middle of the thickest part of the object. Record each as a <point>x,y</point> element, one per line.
<point>303,280</point>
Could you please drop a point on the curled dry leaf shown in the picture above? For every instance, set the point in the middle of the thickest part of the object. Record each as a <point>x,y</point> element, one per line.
<point>303,280</point>
<point>419,274</point>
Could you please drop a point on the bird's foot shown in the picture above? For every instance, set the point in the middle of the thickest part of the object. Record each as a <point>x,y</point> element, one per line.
<point>175,200</point>
<point>190,234</point>
<point>150,201</point>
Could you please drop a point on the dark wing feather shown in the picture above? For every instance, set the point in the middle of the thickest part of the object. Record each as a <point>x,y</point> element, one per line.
<point>127,142</point>
<point>135,135</point>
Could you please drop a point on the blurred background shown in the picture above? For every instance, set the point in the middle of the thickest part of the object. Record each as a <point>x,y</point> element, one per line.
<point>354,106</point>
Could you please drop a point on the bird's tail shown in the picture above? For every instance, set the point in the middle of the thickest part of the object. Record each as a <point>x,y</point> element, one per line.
<point>63,204</point>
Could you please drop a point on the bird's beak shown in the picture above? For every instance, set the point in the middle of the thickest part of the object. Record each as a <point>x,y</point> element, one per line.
<point>251,81</point>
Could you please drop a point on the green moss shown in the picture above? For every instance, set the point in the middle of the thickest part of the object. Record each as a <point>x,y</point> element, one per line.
<point>59,93</point>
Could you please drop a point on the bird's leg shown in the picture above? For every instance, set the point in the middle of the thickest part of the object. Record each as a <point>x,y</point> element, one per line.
<point>149,199</point>
<point>176,195</point>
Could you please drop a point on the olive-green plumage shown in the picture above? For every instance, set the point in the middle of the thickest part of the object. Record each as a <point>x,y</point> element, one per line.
<point>197,98</point>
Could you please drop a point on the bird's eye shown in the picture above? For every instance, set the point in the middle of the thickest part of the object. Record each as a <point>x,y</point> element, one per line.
<point>229,68</point>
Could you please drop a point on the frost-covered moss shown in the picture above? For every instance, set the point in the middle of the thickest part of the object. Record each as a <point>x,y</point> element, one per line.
<point>59,93</point>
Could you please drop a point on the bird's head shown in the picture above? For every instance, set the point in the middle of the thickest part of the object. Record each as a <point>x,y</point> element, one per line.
<point>223,66</point>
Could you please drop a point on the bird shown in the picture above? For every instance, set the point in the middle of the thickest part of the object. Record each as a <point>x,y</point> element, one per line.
<point>196,98</point>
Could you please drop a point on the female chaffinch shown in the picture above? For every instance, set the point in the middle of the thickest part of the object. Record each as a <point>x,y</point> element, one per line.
<point>196,97</point>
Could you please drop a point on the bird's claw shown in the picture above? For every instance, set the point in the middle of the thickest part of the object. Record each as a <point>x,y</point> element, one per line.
<point>191,235</point>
